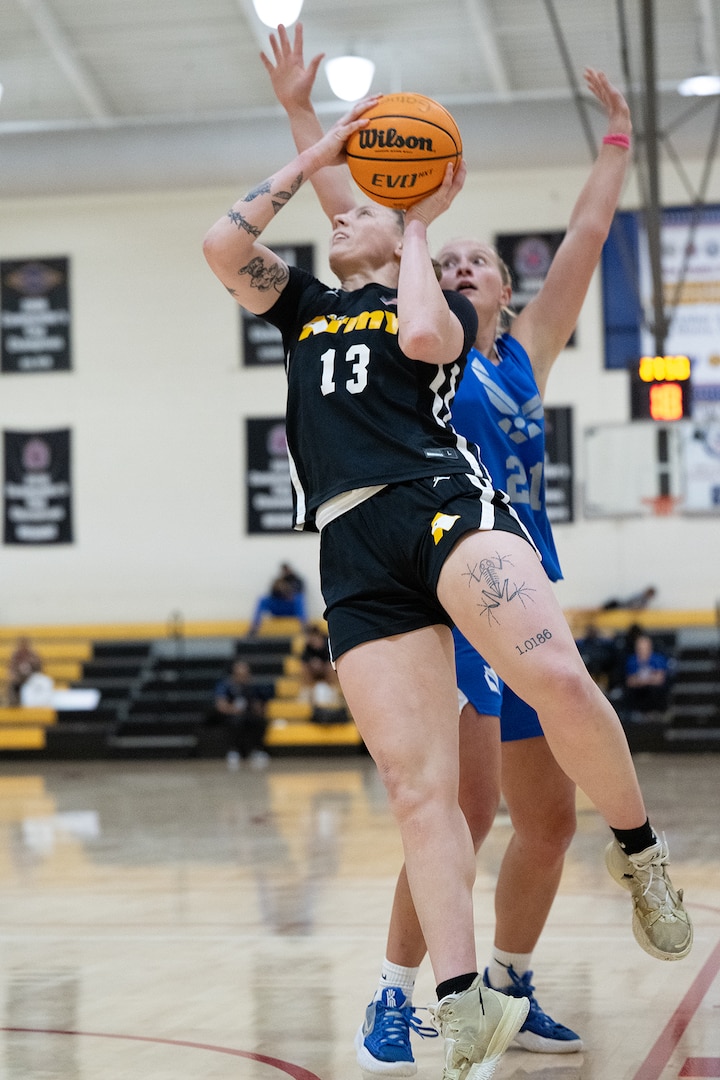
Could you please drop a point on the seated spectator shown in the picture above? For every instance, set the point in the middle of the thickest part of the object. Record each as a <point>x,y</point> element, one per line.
<point>290,579</point>
<point>328,703</point>
<point>242,705</point>
<point>23,663</point>
<point>321,686</point>
<point>647,675</point>
<point>38,690</point>
<point>285,597</point>
<point>599,655</point>
<point>315,657</point>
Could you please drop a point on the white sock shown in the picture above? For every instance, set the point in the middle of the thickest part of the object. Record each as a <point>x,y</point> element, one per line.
<point>395,975</point>
<point>501,961</point>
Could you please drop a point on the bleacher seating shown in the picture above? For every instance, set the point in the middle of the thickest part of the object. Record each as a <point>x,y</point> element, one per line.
<point>695,691</point>
<point>691,638</point>
<point>156,690</point>
<point>156,684</point>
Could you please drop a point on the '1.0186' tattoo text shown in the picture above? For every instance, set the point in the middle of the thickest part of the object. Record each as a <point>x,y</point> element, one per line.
<point>534,642</point>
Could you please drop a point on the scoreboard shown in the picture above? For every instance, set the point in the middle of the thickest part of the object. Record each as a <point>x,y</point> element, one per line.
<point>660,388</point>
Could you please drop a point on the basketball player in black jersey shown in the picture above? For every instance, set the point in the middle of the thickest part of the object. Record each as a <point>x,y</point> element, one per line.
<point>415,538</point>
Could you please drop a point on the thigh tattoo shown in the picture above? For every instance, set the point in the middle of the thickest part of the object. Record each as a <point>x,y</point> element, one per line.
<point>534,641</point>
<point>496,588</point>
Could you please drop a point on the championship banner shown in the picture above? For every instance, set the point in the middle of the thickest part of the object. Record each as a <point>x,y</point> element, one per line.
<point>37,490</point>
<point>35,315</point>
<point>269,498</point>
<point>691,294</point>
<point>559,471</point>
<point>690,266</point>
<point>528,257</point>
<point>261,342</point>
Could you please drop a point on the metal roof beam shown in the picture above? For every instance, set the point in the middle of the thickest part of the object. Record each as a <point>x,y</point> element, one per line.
<point>708,37</point>
<point>66,57</point>
<point>480,19</point>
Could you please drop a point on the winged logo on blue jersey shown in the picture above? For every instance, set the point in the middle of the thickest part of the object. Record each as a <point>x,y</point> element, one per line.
<point>518,422</point>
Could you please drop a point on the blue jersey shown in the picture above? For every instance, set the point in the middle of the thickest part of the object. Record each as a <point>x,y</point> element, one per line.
<point>499,408</point>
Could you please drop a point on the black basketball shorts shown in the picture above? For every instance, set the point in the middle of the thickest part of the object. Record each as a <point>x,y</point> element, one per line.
<point>380,562</point>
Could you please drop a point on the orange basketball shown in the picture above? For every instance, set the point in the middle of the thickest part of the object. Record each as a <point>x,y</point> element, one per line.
<point>401,155</point>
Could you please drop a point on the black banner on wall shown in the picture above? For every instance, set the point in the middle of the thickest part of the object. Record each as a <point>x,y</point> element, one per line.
<point>262,343</point>
<point>559,471</point>
<point>268,487</point>
<point>528,257</point>
<point>37,490</point>
<point>35,315</point>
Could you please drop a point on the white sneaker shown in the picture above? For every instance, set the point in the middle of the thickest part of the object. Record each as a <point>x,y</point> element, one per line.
<point>232,759</point>
<point>259,759</point>
<point>478,1025</point>
<point>661,924</point>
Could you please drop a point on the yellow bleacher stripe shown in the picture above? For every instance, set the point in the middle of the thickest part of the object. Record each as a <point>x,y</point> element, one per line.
<point>279,626</point>
<point>56,669</point>
<point>52,650</point>
<point>288,710</point>
<point>24,738</point>
<point>135,631</point>
<point>287,687</point>
<point>648,618</point>
<point>38,714</point>
<point>292,666</point>
<point>306,734</point>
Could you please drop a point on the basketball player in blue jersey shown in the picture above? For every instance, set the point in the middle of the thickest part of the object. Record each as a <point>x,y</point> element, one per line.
<point>414,539</point>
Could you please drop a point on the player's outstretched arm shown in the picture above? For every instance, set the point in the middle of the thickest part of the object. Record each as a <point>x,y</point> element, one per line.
<point>249,270</point>
<point>546,324</point>
<point>292,80</point>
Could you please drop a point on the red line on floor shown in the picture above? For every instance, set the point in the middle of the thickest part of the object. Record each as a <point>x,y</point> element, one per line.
<point>296,1071</point>
<point>660,1054</point>
<point>705,1067</point>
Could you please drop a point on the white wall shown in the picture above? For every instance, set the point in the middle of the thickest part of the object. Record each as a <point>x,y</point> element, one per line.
<point>157,401</point>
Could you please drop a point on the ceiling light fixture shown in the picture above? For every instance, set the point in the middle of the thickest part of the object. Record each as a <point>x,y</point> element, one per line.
<point>700,86</point>
<point>350,76</point>
<point>274,12</point>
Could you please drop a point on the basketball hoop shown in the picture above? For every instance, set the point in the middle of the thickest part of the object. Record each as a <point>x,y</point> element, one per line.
<point>662,505</point>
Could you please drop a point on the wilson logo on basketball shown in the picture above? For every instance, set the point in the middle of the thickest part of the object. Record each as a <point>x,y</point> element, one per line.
<point>388,138</point>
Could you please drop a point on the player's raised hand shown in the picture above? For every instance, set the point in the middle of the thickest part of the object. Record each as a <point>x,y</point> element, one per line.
<point>612,101</point>
<point>432,206</point>
<point>291,78</point>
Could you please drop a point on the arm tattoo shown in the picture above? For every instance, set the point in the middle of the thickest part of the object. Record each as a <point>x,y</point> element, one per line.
<point>281,197</point>
<point>261,189</point>
<point>265,276</point>
<point>237,219</point>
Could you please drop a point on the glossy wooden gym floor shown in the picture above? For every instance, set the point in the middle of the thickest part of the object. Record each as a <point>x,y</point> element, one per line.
<point>179,920</point>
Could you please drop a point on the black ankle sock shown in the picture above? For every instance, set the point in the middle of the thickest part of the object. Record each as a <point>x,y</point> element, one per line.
<point>456,985</point>
<point>633,841</point>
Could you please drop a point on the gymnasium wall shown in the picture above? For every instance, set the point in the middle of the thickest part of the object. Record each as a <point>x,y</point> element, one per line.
<point>158,397</point>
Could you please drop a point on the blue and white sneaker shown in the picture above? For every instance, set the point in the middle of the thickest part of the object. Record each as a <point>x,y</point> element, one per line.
<point>540,1033</point>
<point>382,1043</point>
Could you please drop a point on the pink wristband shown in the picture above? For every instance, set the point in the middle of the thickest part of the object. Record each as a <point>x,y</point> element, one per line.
<point>618,140</point>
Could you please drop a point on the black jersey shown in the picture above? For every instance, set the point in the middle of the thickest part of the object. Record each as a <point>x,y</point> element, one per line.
<point>360,413</point>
